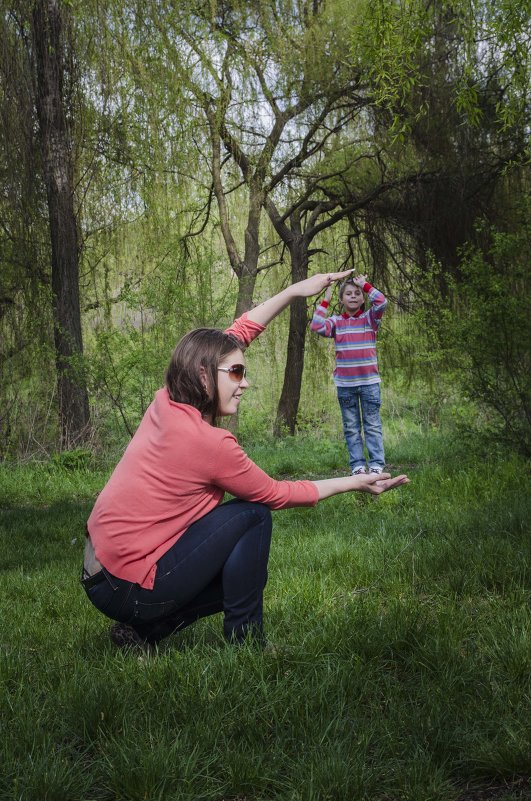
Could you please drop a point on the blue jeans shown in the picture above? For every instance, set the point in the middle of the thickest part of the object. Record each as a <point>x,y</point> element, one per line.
<point>361,406</point>
<point>219,564</point>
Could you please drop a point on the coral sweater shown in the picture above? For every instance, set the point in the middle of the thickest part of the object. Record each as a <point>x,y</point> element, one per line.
<point>174,471</point>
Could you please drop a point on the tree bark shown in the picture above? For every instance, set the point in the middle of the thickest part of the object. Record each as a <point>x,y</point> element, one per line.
<point>246,268</point>
<point>58,171</point>
<point>288,404</point>
<point>249,268</point>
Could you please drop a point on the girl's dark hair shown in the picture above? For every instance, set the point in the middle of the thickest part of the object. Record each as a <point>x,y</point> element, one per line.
<point>344,285</point>
<point>206,348</point>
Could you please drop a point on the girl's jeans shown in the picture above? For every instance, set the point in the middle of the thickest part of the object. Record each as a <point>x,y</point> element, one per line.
<point>361,405</point>
<point>219,564</point>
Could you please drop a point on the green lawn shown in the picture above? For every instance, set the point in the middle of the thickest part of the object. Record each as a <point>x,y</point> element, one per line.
<point>405,676</point>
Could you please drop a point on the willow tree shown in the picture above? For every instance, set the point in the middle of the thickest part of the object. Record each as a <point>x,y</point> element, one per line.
<point>24,321</point>
<point>450,82</point>
<point>265,84</point>
<point>451,85</point>
<point>302,221</point>
<point>438,118</point>
<point>51,53</point>
<point>38,37</point>
<point>268,87</point>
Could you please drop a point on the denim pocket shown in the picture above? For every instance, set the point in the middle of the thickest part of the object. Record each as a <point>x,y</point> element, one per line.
<point>148,612</point>
<point>100,595</point>
<point>108,599</point>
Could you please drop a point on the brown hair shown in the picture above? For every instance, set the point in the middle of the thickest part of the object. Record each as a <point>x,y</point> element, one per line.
<point>344,285</point>
<point>206,348</point>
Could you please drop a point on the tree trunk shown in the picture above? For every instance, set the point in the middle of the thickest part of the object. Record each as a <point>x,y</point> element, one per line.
<point>57,161</point>
<point>246,284</point>
<point>249,267</point>
<point>288,405</point>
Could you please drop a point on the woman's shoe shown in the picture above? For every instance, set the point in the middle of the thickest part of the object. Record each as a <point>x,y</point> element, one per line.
<point>125,637</point>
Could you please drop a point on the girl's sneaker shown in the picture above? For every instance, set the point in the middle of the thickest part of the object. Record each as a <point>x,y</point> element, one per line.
<point>376,470</point>
<point>359,471</point>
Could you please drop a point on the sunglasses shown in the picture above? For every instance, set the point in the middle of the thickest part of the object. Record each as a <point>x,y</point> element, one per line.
<point>236,373</point>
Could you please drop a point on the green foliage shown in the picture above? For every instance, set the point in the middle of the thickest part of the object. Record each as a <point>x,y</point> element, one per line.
<point>131,342</point>
<point>480,326</point>
<point>477,48</point>
<point>75,459</point>
<point>390,43</point>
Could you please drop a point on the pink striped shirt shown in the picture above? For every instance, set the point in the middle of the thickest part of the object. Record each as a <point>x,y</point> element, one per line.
<point>175,470</point>
<point>355,340</point>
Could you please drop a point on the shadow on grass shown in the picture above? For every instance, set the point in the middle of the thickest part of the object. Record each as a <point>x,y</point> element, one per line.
<point>518,789</point>
<point>31,537</point>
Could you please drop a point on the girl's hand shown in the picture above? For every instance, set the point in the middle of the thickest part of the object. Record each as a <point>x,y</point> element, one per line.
<point>359,280</point>
<point>316,284</point>
<point>329,292</point>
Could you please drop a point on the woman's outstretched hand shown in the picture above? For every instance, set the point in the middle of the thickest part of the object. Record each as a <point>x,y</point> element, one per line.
<point>373,483</point>
<point>317,283</point>
<point>266,311</point>
<point>377,483</point>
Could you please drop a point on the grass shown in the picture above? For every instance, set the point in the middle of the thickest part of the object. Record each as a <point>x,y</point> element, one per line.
<point>406,676</point>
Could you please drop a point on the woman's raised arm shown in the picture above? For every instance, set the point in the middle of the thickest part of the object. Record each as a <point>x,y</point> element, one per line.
<point>268,310</point>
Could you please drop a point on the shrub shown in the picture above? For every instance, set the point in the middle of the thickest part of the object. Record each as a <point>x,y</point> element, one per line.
<point>482,329</point>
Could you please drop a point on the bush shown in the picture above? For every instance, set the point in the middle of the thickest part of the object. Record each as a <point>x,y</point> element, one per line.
<point>482,329</point>
<point>75,459</point>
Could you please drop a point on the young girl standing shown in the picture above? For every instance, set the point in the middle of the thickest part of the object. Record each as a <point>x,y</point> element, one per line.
<point>356,373</point>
